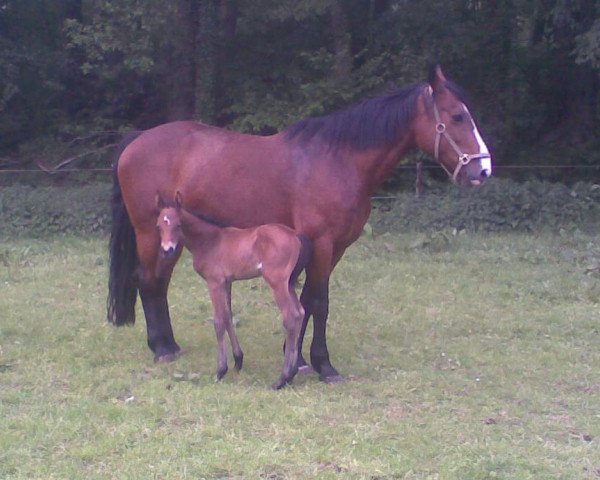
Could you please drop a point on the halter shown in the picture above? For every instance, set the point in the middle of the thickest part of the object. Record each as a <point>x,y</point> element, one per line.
<point>463,158</point>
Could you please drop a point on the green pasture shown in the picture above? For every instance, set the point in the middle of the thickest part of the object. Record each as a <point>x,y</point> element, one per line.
<point>467,356</point>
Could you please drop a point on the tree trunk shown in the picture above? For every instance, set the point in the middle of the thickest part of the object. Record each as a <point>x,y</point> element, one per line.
<point>227,21</point>
<point>183,63</point>
<point>579,122</point>
<point>576,85</point>
<point>340,31</point>
<point>73,9</point>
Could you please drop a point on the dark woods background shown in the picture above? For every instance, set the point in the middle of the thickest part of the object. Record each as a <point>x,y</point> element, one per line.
<point>76,73</point>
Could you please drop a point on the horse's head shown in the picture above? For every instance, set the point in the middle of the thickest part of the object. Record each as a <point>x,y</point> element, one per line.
<point>449,133</point>
<point>168,225</point>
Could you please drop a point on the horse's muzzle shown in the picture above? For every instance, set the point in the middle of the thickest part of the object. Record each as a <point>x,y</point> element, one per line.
<point>168,252</point>
<point>478,171</point>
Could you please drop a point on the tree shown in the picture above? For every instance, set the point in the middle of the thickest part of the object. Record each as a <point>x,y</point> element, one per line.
<point>32,68</point>
<point>575,90</point>
<point>74,66</point>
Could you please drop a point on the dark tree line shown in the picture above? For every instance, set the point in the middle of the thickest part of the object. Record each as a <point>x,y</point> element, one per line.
<point>69,68</point>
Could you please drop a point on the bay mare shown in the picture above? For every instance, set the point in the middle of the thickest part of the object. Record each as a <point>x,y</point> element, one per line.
<point>316,176</point>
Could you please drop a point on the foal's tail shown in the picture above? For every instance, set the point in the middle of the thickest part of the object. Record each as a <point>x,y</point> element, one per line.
<point>122,288</point>
<point>303,258</point>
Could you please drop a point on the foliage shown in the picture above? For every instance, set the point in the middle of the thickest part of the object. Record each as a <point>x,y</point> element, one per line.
<point>72,66</point>
<point>117,44</point>
<point>44,211</point>
<point>498,206</point>
<point>32,70</point>
<point>116,41</point>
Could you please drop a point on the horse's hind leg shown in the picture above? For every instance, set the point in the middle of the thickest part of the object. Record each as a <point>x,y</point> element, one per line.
<point>303,366</point>
<point>153,286</point>
<point>238,355</point>
<point>293,314</point>
<point>220,295</point>
<point>305,255</point>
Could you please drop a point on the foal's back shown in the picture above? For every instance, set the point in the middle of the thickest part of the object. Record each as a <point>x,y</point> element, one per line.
<point>269,250</point>
<point>225,254</point>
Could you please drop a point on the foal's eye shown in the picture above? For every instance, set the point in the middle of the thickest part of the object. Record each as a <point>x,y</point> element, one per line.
<point>458,118</point>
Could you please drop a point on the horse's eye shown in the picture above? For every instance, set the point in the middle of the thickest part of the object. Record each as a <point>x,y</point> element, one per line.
<point>458,118</point>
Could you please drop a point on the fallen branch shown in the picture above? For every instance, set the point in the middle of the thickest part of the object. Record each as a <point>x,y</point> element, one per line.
<point>56,168</point>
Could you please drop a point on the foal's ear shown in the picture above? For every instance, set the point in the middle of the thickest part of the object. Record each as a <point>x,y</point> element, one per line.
<point>437,79</point>
<point>178,199</point>
<point>160,203</point>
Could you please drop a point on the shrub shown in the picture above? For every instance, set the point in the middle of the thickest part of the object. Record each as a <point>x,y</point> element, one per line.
<point>42,211</point>
<point>499,205</point>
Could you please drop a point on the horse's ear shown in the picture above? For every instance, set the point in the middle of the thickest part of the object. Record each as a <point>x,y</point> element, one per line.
<point>178,199</point>
<point>437,79</point>
<point>160,204</point>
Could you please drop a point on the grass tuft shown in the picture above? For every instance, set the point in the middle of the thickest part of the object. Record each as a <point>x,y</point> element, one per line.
<point>473,357</point>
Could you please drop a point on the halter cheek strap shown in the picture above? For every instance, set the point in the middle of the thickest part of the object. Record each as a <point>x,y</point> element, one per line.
<point>463,158</point>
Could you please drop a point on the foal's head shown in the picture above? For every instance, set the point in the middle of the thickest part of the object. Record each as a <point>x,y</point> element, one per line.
<point>168,225</point>
<point>447,130</point>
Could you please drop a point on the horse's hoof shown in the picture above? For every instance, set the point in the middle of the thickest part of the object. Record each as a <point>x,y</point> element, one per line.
<point>327,373</point>
<point>305,370</point>
<point>168,357</point>
<point>239,361</point>
<point>279,384</point>
<point>332,379</point>
<point>221,373</point>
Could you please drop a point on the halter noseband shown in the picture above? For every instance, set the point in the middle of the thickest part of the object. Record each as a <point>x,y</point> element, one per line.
<point>463,158</point>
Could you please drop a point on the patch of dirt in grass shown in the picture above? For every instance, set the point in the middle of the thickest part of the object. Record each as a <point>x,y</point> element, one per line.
<point>590,389</point>
<point>398,411</point>
<point>274,476</point>
<point>332,466</point>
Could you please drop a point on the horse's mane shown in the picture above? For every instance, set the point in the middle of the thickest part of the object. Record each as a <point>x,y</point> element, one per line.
<point>199,215</point>
<point>458,92</point>
<point>375,122</point>
<point>208,219</point>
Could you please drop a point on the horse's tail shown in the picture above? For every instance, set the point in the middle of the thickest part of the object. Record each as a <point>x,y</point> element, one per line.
<point>303,258</point>
<point>122,287</point>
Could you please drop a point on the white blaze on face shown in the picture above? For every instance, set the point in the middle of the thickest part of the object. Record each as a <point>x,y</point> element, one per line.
<point>486,163</point>
<point>167,245</point>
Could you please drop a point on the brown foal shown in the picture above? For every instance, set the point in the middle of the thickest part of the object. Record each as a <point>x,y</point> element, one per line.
<point>222,255</point>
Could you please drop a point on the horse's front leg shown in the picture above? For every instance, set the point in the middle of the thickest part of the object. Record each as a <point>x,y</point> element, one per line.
<point>153,279</point>
<point>315,300</point>
<point>220,295</point>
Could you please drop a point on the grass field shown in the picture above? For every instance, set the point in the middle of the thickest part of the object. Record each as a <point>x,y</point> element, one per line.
<point>467,357</point>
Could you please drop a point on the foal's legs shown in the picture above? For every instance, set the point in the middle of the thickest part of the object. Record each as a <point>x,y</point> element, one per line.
<point>303,366</point>
<point>238,355</point>
<point>292,313</point>
<point>220,294</point>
